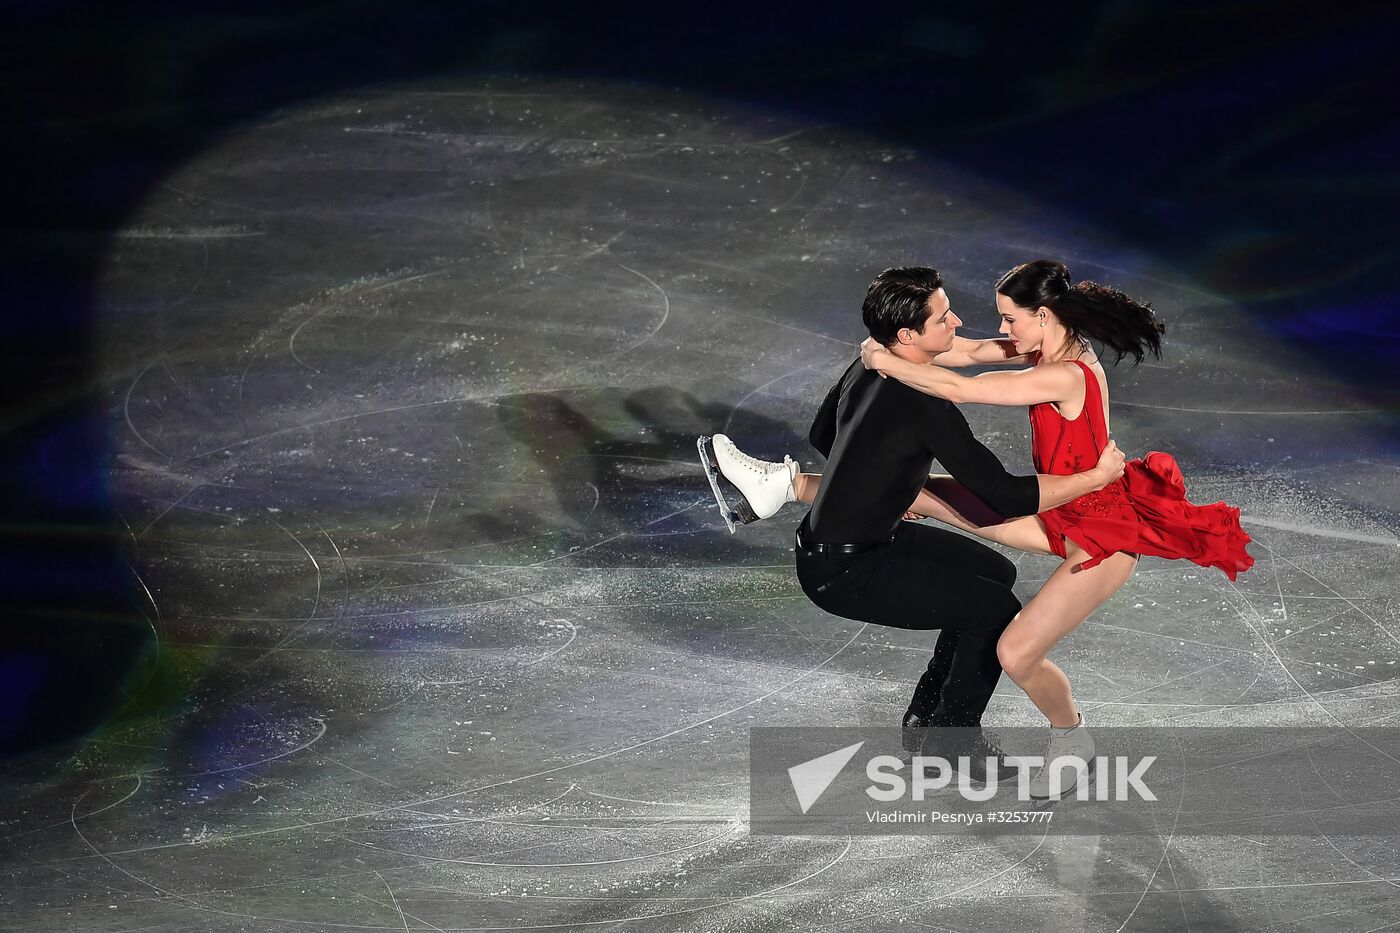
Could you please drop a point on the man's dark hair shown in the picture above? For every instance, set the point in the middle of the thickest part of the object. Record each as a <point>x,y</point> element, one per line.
<point>898,298</point>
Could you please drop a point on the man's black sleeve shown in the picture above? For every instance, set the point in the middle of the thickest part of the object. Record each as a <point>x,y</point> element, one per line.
<point>823,433</point>
<point>973,465</point>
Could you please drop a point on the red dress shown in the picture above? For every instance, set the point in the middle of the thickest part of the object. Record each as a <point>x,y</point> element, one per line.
<point>1144,512</point>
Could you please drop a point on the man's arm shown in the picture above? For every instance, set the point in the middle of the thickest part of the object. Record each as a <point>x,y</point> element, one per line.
<point>823,432</point>
<point>1057,490</point>
<point>1056,382</point>
<point>972,464</point>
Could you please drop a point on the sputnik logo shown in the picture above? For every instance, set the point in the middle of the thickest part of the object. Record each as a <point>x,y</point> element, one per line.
<point>811,778</point>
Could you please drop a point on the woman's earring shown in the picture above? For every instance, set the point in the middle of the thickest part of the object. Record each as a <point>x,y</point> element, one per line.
<point>1042,323</point>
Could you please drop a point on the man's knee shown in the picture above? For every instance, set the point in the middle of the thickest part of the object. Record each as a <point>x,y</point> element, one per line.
<point>1003,571</point>
<point>987,613</point>
<point>1005,605</point>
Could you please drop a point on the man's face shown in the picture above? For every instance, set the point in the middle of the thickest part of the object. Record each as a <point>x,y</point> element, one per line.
<point>940,327</point>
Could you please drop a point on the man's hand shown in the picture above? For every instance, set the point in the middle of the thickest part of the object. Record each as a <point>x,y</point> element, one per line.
<point>1110,465</point>
<point>873,354</point>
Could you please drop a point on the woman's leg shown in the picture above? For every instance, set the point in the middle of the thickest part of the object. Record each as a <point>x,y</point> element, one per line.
<point>1066,600</point>
<point>950,502</point>
<point>805,486</point>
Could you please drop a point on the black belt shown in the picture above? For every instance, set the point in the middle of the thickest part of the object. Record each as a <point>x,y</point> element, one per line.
<point>813,547</point>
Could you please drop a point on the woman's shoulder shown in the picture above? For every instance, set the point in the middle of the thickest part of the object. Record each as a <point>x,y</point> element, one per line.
<point>1088,362</point>
<point>1095,365</point>
<point>1098,371</point>
<point>1067,371</point>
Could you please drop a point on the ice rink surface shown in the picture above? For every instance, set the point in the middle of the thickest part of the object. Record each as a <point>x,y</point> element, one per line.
<point>404,387</point>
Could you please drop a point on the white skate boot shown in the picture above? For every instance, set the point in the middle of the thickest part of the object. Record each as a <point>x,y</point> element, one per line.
<point>763,486</point>
<point>1074,749</point>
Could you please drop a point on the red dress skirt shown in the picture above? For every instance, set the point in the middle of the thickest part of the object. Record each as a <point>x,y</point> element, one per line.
<point>1144,512</point>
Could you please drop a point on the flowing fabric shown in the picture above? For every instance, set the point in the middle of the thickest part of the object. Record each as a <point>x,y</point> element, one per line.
<point>1144,512</point>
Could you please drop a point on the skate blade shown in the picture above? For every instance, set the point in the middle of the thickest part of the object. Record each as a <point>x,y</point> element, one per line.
<point>730,516</point>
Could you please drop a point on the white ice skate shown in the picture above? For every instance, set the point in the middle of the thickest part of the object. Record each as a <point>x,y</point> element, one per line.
<point>1074,749</point>
<point>762,486</point>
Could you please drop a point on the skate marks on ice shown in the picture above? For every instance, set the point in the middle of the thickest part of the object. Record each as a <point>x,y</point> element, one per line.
<point>449,635</point>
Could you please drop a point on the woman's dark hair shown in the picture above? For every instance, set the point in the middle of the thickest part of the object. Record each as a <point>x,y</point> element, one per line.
<point>1088,310</point>
<point>898,298</point>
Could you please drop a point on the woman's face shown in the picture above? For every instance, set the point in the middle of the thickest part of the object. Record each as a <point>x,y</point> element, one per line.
<point>1022,325</point>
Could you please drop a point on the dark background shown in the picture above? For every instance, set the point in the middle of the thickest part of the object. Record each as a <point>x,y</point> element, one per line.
<point>1252,144</point>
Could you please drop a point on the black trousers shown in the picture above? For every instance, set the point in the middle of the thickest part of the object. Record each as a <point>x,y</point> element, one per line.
<point>927,578</point>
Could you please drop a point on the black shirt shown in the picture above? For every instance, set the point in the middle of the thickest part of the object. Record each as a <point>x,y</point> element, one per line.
<point>880,438</point>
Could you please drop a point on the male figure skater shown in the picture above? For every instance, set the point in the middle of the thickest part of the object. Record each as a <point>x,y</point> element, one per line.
<point>857,559</point>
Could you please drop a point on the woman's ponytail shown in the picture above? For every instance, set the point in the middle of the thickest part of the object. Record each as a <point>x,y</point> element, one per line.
<point>1106,315</point>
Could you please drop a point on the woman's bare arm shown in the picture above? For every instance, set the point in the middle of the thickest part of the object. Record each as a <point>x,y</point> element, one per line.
<point>993,352</point>
<point>1047,383</point>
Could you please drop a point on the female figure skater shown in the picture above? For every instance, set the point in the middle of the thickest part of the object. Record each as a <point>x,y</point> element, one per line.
<point>1048,324</point>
